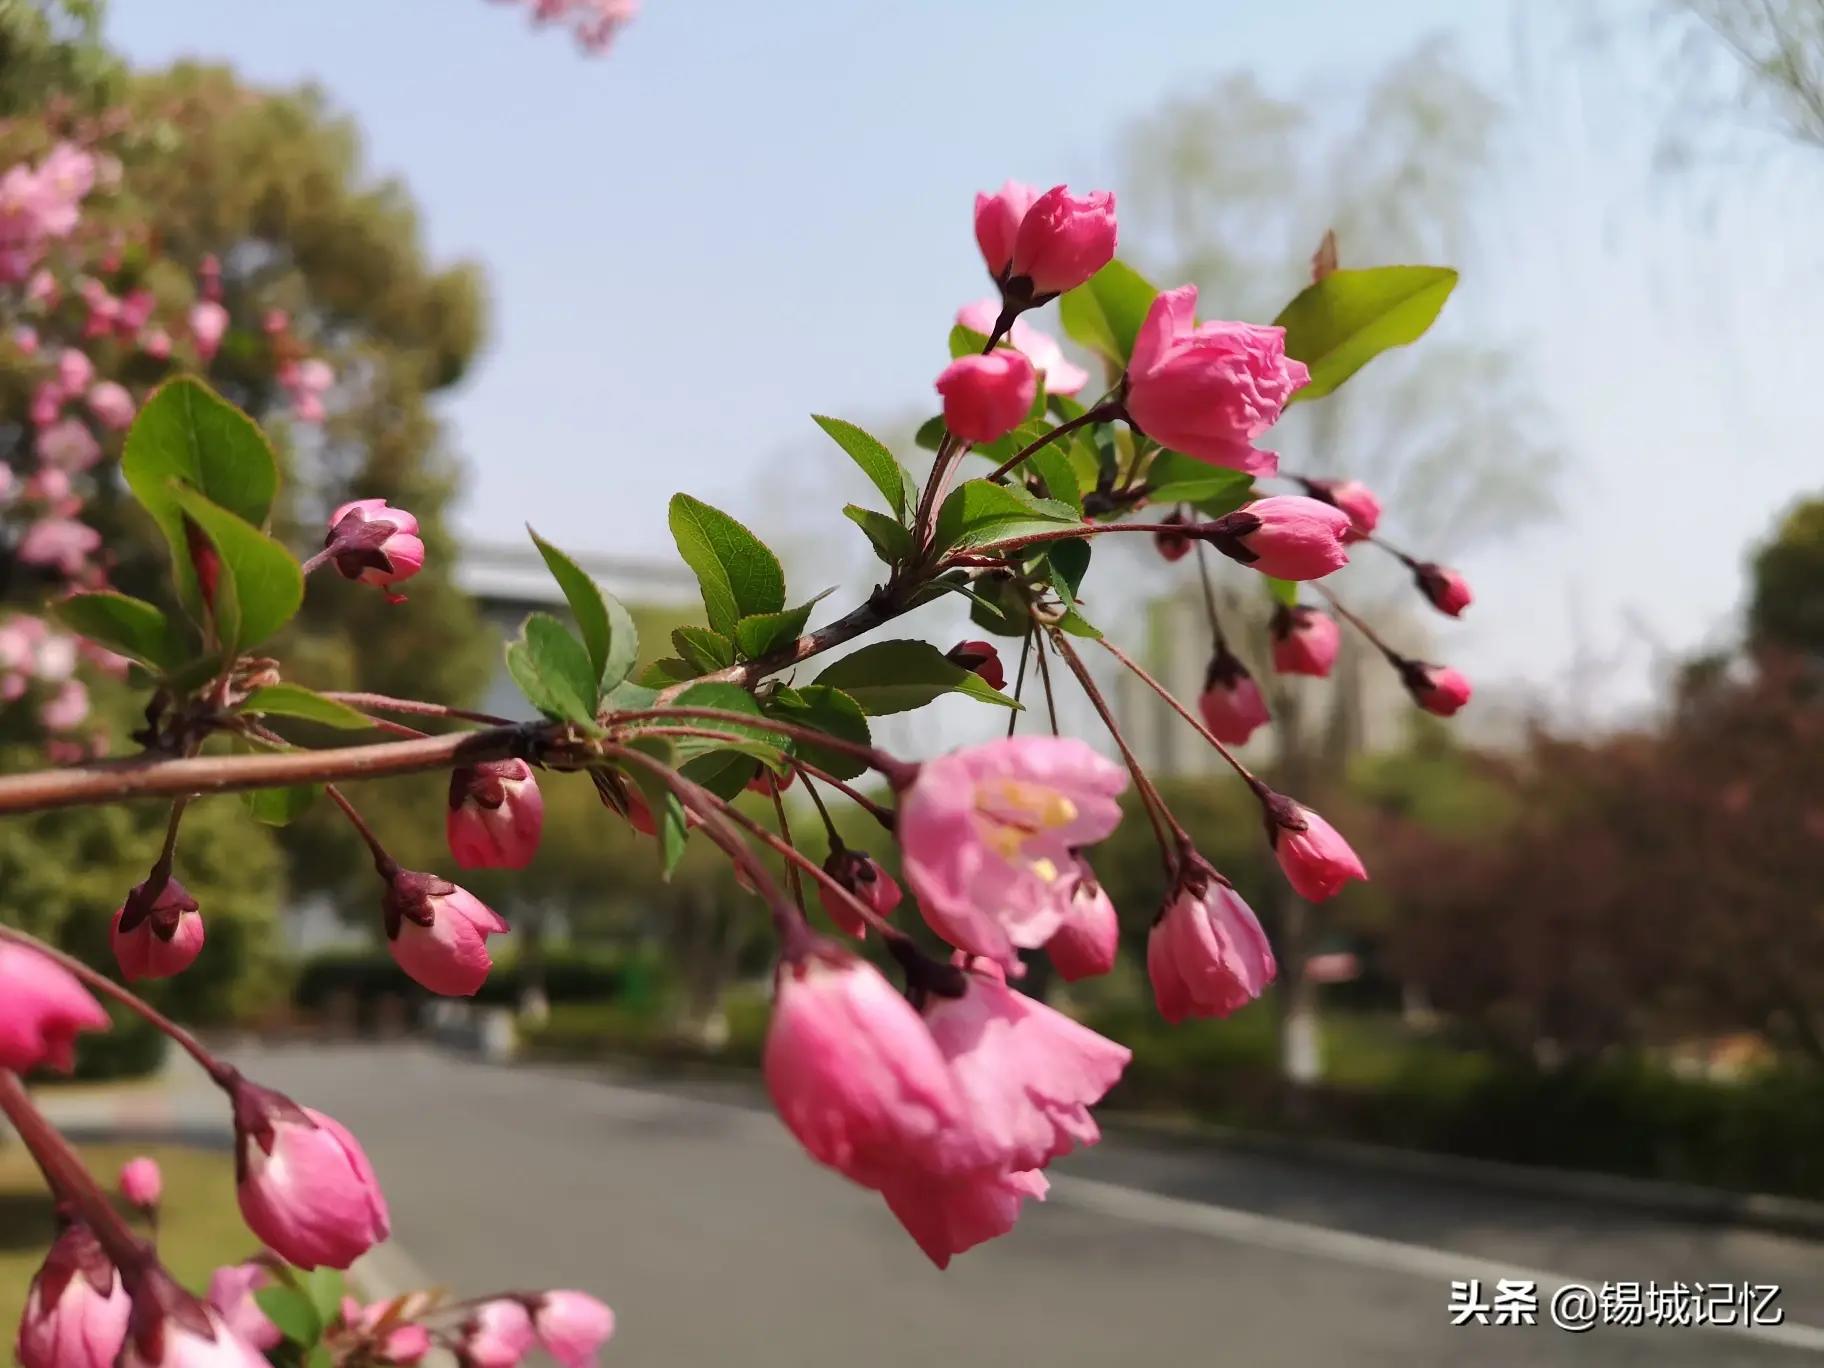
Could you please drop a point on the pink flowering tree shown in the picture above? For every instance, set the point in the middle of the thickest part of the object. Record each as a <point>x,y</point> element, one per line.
<point>934,1082</point>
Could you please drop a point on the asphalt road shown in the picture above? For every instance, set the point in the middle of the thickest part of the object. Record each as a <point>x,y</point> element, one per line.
<point>718,1243</point>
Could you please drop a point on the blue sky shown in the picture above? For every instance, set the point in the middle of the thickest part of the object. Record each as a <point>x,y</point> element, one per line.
<point>749,212</point>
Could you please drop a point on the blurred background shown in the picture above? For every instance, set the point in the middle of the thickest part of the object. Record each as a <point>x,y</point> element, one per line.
<point>1594,936</point>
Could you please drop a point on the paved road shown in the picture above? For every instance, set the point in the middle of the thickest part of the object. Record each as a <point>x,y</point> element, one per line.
<point>718,1243</point>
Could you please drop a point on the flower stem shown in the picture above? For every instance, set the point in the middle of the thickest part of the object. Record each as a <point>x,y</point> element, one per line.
<point>785,834</point>
<point>829,826</point>
<point>883,815</point>
<point>897,771</point>
<point>1102,413</point>
<point>1019,682</point>
<point>1051,699</point>
<point>1181,710</point>
<point>373,702</point>
<point>1209,600</point>
<point>384,864</point>
<point>1394,658</point>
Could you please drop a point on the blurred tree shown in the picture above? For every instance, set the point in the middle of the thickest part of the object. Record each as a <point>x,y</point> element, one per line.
<point>1778,46</point>
<point>1786,601</point>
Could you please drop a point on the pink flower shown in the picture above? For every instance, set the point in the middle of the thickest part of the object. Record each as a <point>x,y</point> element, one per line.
<point>1207,955</point>
<point>852,1069</point>
<point>979,657</point>
<point>111,404</point>
<point>1063,240</point>
<point>495,815</point>
<point>1041,349</point>
<point>171,1329</point>
<point>1231,704</point>
<point>231,1290</point>
<point>75,1310</point>
<point>987,397</point>
<point>25,338</point>
<point>141,1183</point>
<point>1316,859</point>
<point>208,324</point>
<point>862,875</point>
<point>158,937</point>
<point>438,933</point>
<point>498,1335</point>
<point>307,382</point>
<point>42,290</point>
<point>42,1007</point>
<point>375,544</point>
<point>948,1215</point>
<point>47,403</point>
<point>66,709</point>
<point>402,1344</point>
<point>135,311</point>
<point>67,446</point>
<point>1085,944</point>
<point>62,544</point>
<point>573,1326</point>
<point>1287,536</point>
<point>1209,391</point>
<point>1447,590</point>
<point>155,343</point>
<point>1305,641</point>
<point>1353,497</point>
<point>990,832</point>
<point>75,371</point>
<point>274,321</point>
<point>305,1186</point>
<point>997,224</point>
<point>1435,688</point>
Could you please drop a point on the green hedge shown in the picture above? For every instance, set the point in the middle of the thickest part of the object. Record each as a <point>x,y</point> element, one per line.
<point>368,977</point>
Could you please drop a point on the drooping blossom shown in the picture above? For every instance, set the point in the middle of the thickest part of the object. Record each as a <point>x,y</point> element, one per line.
<point>1353,497</point>
<point>1063,240</point>
<point>862,875</point>
<point>1436,688</point>
<point>987,397</point>
<point>991,831</point>
<point>1042,349</point>
<point>1287,536</point>
<point>42,1008</point>
<point>498,1335</point>
<point>159,936</point>
<point>495,815</point>
<point>374,543</point>
<point>979,657</point>
<point>75,1309</point>
<point>1084,945</point>
<point>1305,641</point>
<point>573,1326</point>
<point>438,932</point>
<point>231,1290</point>
<point>947,1215</point>
<point>1444,588</point>
<point>1231,703</point>
<point>141,1183</point>
<point>1316,859</point>
<point>1206,954</point>
<point>1212,391</point>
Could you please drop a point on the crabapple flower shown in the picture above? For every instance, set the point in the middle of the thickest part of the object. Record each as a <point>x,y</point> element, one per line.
<point>375,544</point>
<point>304,1184</point>
<point>65,709</point>
<point>987,397</point>
<point>948,1215</point>
<point>1206,954</point>
<point>1316,859</point>
<point>573,1326</point>
<point>25,339</point>
<point>1209,391</point>
<point>67,446</point>
<point>111,404</point>
<point>42,1007</point>
<point>1042,349</point>
<point>990,835</point>
<point>307,382</point>
<point>141,1183</point>
<point>75,372</point>
<point>498,1335</point>
<point>862,875</point>
<point>979,657</point>
<point>1305,641</point>
<point>47,403</point>
<point>60,544</point>
<point>135,311</point>
<point>169,1328</point>
<point>1436,688</point>
<point>1287,536</point>
<point>997,224</point>
<point>1063,240</point>
<point>159,936</point>
<point>155,343</point>
<point>231,1290</point>
<point>1353,497</point>
<point>403,1344</point>
<point>1231,703</point>
<point>438,933</point>
<point>1446,590</point>
<point>852,1069</point>
<point>76,1309</point>
<point>1173,546</point>
<point>1085,944</point>
<point>495,815</point>
<point>208,324</point>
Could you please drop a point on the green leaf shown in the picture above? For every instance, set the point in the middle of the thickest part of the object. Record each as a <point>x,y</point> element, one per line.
<point>891,542</point>
<point>667,670</point>
<point>1175,478</point>
<point>1052,464</point>
<point>723,764</point>
<point>1106,311</point>
<point>1283,592</point>
<point>703,650</point>
<point>897,676</point>
<point>828,709</point>
<point>930,435</point>
<point>292,1312</point>
<point>553,671</point>
<point>324,1287</point>
<point>294,700</point>
<point>260,586</point>
<point>997,608</point>
<point>764,633</point>
<point>128,626</point>
<point>739,575</point>
<point>630,697</point>
<point>1348,318</point>
<point>867,451</point>
<point>1077,625</point>
<point>275,807</point>
<point>1069,563</point>
<point>977,513</point>
<point>608,632</point>
<point>966,342</point>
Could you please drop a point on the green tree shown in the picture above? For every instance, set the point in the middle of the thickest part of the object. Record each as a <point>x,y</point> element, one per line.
<point>1786,601</point>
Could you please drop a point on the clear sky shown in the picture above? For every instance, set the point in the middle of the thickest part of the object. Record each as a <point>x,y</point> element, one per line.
<point>752,211</point>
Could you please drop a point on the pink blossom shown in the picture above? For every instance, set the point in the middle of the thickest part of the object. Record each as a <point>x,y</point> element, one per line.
<point>1063,240</point>
<point>155,343</point>
<point>231,1290</point>
<point>987,397</point>
<point>53,655</point>
<point>1287,536</point>
<point>135,311</point>
<point>42,1008</point>
<point>208,324</point>
<point>374,543</point>
<point>47,403</point>
<point>1085,944</point>
<point>402,1344</point>
<point>305,1186</point>
<point>494,816</point>
<point>862,875</point>
<point>990,832</point>
<point>141,1183</point>
<point>979,658</point>
<point>111,405</point>
<point>66,709</point>
<point>75,372</point>
<point>573,1326</point>
<point>1231,703</point>
<point>25,339</point>
<point>1316,859</point>
<point>1212,391</point>
<point>1354,498</point>
<point>274,322</point>
<point>1040,348</point>
<point>498,1335</point>
<point>68,446</point>
<point>1435,688</point>
<point>438,933</point>
<point>182,1333</point>
<point>948,1215</point>
<point>1447,590</point>
<point>307,382</point>
<point>59,543</point>
<point>1305,641</point>
<point>159,937</point>
<point>42,290</point>
<point>997,224</point>
<point>1207,955</point>
<point>76,1309</point>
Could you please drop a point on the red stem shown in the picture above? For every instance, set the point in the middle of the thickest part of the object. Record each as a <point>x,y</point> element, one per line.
<point>898,772</point>
<point>373,702</point>
<point>1182,711</point>
<point>1100,414</point>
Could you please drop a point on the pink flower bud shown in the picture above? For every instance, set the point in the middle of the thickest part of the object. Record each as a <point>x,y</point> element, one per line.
<point>1063,240</point>
<point>208,325</point>
<point>862,875</point>
<point>158,936</point>
<point>25,339</point>
<point>111,405</point>
<point>498,1335</point>
<point>304,1184</point>
<point>1447,590</point>
<point>141,1183</point>
<point>997,223</point>
<point>438,933</point>
<point>47,403</point>
<point>1354,498</point>
<point>75,1310</point>
<point>495,815</point>
<point>231,1290</point>
<point>275,321</point>
<point>987,397</point>
<point>979,657</point>
<point>947,1215</point>
<point>1316,859</point>
<point>135,311</point>
<point>1305,641</point>
<point>1207,955</point>
<point>66,709</point>
<point>1435,688</point>
<point>1173,546</point>
<point>573,1327</point>
<point>1287,536</point>
<point>42,1007</point>
<point>374,544</point>
<point>1085,944</point>
<point>155,343</point>
<point>74,371</point>
<point>400,1344</point>
<point>1231,704</point>
<point>1209,391</point>
<point>169,1328</point>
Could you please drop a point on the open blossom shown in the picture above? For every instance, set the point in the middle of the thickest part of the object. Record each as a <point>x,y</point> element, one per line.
<point>498,1335</point>
<point>1209,391</point>
<point>1231,703</point>
<point>231,1290</point>
<point>987,397</point>
<point>1206,955</point>
<point>66,709</point>
<point>111,404</point>
<point>75,1310</point>
<point>1316,859</point>
<point>495,815</point>
<point>862,875</point>
<point>304,1183</point>
<point>158,937</point>
<point>1446,590</point>
<point>1305,641</point>
<point>183,1333</point>
<point>60,544</point>
<point>1287,536</point>
<point>208,324</point>
<point>67,446</point>
<point>573,1326</point>
<point>1063,240</point>
<point>75,372</point>
<point>438,932</point>
<point>402,1345</point>
<point>141,1183</point>
<point>947,1215</point>
<point>979,657</point>
<point>1042,349</point>
<point>42,1007</point>
<point>374,543</point>
<point>1084,944</point>
<point>991,831</point>
<point>1435,688</point>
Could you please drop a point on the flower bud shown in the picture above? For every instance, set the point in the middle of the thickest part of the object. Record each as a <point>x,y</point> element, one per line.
<point>169,1328</point>
<point>75,372</point>
<point>1447,590</point>
<point>1047,357</point>
<point>1354,498</point>
<point>495,816</point>
<point>766,783</point>
<point>1085,944</point>
<point>1435,688</point>
<point>438,932</point>
<point>231,1290</point>
<point>155,343</point>
<point>862,875</point>
<point>987,397</point>
<point>25,339</point>
<point>997,223</point>
<point>156,936</point>
<point>75,1310</point>
<point>1173,546</point>
<point>1287,536</point>
<point>1063,240</point>
<point>979,657</point>
<point>1316,859</point>
<point>573,1326</point>
<point>1206,954</point>
<point>208,324</point>
<point>1231,703</point>
<point>141,1183</point>
<point>498,1335</point>
<point>111,405</point>
<point>42,1007</point>
<point>1305,641</point>
<point>304,1184</point>
<point>374,544</point>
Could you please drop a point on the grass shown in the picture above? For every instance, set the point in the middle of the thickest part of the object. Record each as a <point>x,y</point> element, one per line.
<point>199,1229</point>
